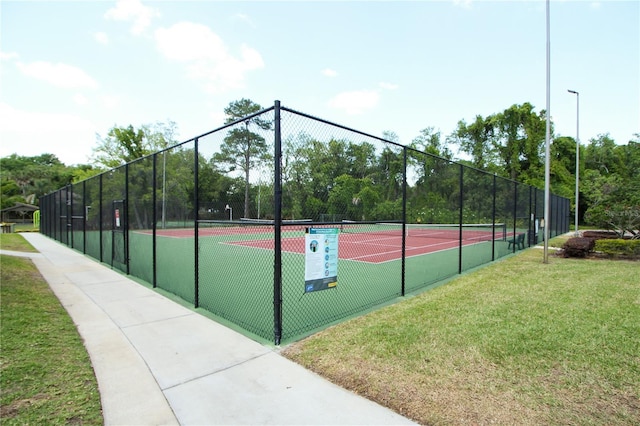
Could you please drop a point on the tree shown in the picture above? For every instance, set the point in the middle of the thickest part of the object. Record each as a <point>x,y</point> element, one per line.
<point>611,185</point>
<point>614,203</point>
<point>34,176</point>
<point>475,139</point>
<point>125,144</point>
<point>429,141</point>
<point>85,171</point>
<point>389,171</point>
<point>602,154</point>
<point>243,148</point>
<point>361,159</point>
<point>10,193</point>
<point>519,142</point>
<point>509,143</point>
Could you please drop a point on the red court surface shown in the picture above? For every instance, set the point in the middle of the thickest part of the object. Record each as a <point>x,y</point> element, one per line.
<point>362,247</point>
<point>367,248</point>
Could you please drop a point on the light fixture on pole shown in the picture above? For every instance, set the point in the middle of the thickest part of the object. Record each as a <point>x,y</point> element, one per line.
<point>577,154</point>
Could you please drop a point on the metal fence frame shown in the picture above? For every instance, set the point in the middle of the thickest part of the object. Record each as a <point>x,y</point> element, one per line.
<point>71,213</point>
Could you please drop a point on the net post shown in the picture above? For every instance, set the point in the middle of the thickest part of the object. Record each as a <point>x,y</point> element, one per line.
<point>277,210</point>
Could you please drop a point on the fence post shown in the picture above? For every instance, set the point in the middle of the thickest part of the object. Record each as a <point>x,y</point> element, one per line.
<point>460,218</point>
<point>515,214</point>
<point>100,219</point>
<point>195,225</point>
<point>404,220</point>
<point>493,221</point>
<point>531,232</point>
<point>70,215</point>
<point>277,210</point>
<point>154,217</point>
<point>126,217</point>
<point>84,217</point>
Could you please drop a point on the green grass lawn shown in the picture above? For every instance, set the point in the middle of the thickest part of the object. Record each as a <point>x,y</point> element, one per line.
<point>517,342</point>
<point>15,242</point>
<point>45,372</point>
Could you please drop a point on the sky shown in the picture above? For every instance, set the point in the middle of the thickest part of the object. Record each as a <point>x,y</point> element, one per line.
<point>72,70</point>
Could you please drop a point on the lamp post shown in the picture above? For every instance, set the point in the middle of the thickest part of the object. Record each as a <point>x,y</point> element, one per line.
<point>577,153</point>
<point>547,160</point>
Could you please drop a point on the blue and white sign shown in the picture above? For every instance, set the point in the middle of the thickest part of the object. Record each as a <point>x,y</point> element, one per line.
<point>321,259</point>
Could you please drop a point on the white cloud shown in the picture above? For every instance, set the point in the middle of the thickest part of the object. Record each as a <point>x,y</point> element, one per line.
<point>387,86</point>
<point>355,102</point>
<point>244,18</point>
<point>67,136</point>
<point>101,38</point>
<point>328,72</point>
<point>60,75</point>
<point>133,10</point>
<point>466,4</point>
<point>80,99</point>
<point>5,56</point>
<point>217,118</point>
<point>186,41</point>
<point>111,101</point>
<point>206,57</point>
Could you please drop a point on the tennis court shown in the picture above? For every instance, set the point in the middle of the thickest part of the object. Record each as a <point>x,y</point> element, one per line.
<point>171,220</point>
<point>373,243</point>
<point>235,267</point>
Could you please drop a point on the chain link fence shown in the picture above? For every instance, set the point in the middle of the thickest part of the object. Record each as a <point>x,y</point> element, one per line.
<point>282,223</point>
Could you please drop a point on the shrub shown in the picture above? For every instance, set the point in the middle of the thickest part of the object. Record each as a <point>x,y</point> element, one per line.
<point>578,247</point>
<point>619,247</point>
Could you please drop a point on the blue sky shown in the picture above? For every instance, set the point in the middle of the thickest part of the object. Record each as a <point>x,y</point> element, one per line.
<point>71,70</point>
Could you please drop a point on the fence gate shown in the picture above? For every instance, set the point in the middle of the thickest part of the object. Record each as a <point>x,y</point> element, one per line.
<point>119,240</point>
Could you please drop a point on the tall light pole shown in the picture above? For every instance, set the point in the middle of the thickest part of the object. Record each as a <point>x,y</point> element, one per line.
<point>547,159</point>
<point>577,152</point>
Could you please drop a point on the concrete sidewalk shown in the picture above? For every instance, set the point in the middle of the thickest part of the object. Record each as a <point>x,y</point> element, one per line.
<point>159,363</point>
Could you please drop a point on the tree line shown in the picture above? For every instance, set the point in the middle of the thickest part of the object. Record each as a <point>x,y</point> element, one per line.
<point>355,179</point>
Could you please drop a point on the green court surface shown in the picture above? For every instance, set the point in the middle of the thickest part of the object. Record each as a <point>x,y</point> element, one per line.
<point>236,281</point>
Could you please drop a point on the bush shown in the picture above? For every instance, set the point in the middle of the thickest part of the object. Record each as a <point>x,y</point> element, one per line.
<point>578,247</point>
<point>619,247</point>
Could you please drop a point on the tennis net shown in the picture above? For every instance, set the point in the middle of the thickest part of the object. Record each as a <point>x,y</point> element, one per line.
<point>452,231</point>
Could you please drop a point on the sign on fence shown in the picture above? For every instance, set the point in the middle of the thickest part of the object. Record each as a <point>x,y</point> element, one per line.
<point>321,259</point>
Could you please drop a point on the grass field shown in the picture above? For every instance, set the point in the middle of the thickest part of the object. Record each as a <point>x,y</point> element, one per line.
<point>46,376</point>
<point>15,242</point>
<point>517,342</point>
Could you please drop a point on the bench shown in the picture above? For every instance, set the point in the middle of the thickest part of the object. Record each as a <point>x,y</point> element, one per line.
<point>517,242</point>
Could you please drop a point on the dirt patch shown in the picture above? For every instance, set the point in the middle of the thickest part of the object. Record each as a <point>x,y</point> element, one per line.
<point>12,409</point>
